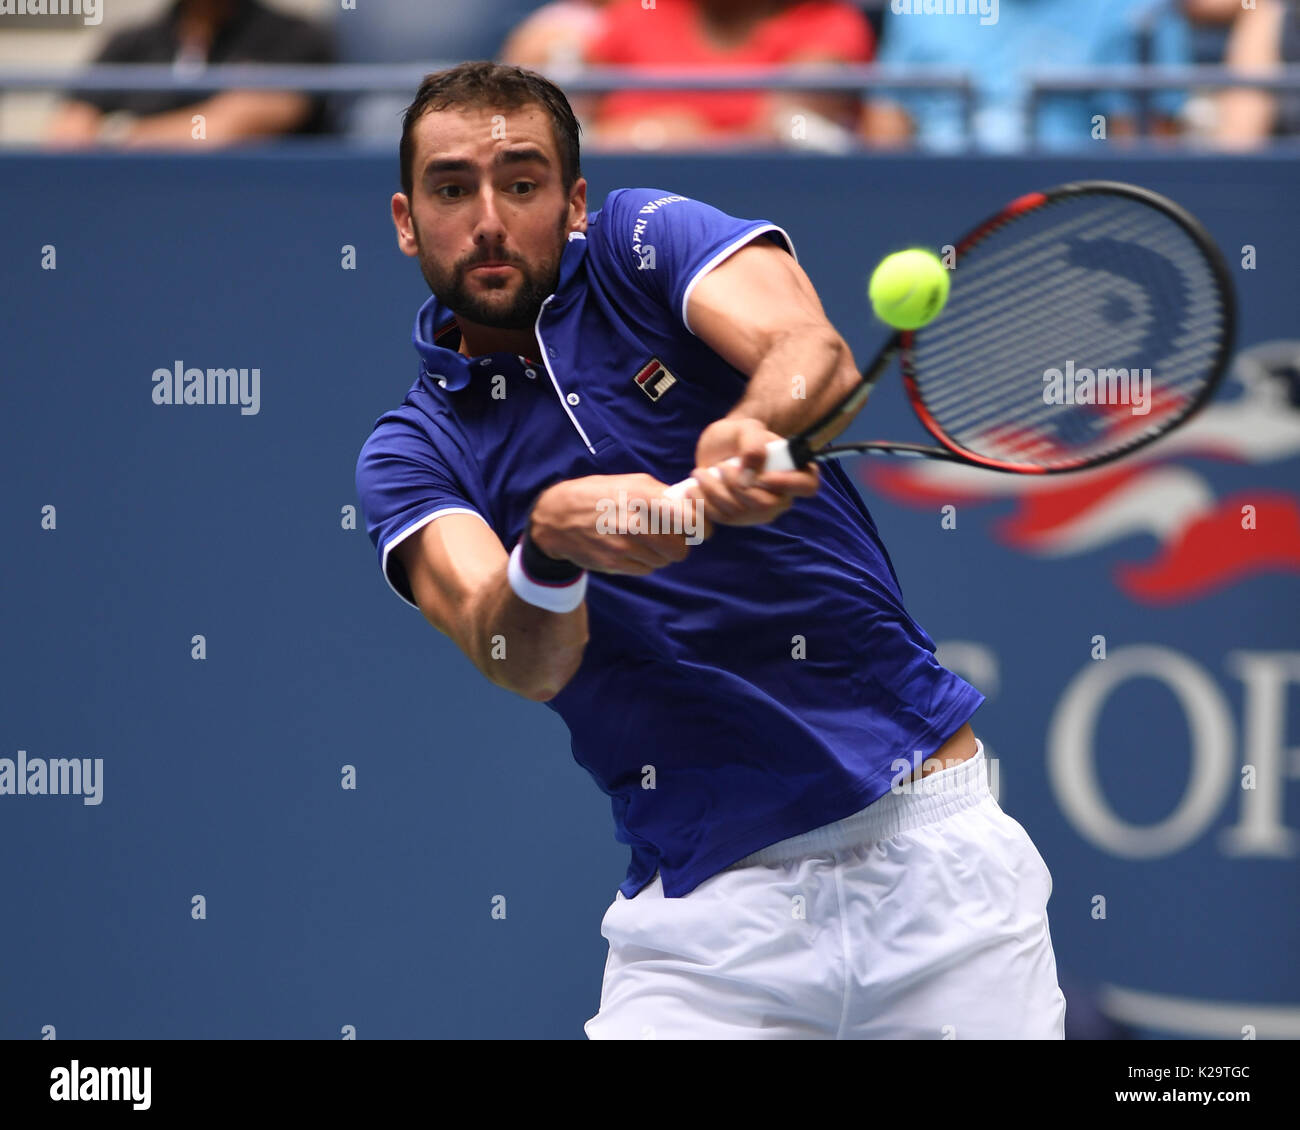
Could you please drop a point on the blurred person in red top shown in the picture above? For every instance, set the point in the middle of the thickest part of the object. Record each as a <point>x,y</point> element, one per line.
<point>558,33</point>
<point>713,34</point>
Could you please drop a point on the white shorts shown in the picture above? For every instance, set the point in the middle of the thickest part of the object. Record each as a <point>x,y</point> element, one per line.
<point>924,916</point>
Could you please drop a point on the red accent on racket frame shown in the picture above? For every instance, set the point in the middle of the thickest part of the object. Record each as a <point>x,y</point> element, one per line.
<point>1017,207</point>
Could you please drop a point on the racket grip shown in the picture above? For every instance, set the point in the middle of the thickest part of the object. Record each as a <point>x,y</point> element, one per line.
<point>778,459</point>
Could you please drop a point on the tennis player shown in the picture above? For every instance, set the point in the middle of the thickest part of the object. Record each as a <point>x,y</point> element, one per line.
<point>815,852</point>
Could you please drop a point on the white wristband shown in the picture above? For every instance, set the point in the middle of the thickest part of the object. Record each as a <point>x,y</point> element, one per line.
<point>561,597</point>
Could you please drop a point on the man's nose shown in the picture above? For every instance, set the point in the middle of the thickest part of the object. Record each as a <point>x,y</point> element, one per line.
<point>488,227</point>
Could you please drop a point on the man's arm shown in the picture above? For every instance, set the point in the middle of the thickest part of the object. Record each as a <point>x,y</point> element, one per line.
<point>229,117</point>
<point>759,311</point>
<point>75,123</point>
<point>1245,116</point>
<point>456,567</point>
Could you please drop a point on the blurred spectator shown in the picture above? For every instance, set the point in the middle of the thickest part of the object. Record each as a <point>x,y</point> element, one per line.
<point>557,34</point>
<point>874,10</point>
<point>1210,21</point>
<point>429,33</point>
<point>999,47</point>
<point>713,34</point>
<point>1211,11</point>
<point>1261,37</point>
<point>190,34</point>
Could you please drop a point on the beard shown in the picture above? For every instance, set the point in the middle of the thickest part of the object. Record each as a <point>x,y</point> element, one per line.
<point>538,282</point>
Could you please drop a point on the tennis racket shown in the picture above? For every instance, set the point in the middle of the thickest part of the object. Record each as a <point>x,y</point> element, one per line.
<point>1082,323</point>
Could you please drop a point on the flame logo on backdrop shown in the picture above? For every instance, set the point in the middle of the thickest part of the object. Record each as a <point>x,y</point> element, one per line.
<point>1203,543</point>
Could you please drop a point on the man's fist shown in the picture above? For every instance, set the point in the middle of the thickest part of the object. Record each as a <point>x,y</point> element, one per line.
<point>599,522</point>
<point>745,495</point>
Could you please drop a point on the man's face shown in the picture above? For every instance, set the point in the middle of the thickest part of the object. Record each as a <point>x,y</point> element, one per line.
<point>488,216</point>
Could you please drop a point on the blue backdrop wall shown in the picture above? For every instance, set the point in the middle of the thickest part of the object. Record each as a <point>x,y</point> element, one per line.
<point>1159,782</point>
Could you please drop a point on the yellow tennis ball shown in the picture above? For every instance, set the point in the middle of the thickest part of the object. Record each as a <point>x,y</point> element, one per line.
<point>908,288</point>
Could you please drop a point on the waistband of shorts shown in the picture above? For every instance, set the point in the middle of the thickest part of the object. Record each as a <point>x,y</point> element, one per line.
<point>909,804</point>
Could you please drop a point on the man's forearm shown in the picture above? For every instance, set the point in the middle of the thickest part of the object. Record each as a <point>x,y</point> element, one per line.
<point>523,648</point>
<point>800,379</point>
<point>234,116</point>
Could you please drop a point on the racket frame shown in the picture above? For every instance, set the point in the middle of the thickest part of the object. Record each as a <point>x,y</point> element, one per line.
<point>804,447</point>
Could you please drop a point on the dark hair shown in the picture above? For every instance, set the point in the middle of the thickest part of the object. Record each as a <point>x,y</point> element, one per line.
<point>492,85</point>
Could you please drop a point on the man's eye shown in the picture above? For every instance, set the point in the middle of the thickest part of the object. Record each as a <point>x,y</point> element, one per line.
<point>448,191</point>
<point>522,187</point>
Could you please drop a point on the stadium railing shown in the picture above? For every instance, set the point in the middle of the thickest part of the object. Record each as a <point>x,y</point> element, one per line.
<point>366,78</point>
<point>1145,80</point>
<point>363,78</point>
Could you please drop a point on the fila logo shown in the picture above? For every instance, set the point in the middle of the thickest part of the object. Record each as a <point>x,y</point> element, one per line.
<point>654,380</point>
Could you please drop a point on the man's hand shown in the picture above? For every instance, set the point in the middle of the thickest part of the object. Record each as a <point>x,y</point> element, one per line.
<point>587,521</point>
<point>745,495</point>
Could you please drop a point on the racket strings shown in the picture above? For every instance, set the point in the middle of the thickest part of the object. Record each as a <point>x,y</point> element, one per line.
<point>1030,331</point>
<point>1024,355</point>
<point>1043,329</point>
<point>1086,284</point>
<point>1010,325</point>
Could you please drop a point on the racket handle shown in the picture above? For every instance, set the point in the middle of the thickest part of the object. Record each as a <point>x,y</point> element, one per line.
<point>778,459</point>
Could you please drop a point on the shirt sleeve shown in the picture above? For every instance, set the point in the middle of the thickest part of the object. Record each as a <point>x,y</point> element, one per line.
<point>663,244</point>
<point>403,484</point>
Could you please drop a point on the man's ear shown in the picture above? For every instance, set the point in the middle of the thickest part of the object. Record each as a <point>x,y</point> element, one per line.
<point>578,206</point>
<point>404,224</point>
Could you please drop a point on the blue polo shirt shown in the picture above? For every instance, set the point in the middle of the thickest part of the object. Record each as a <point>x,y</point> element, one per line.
<point>762,687</point>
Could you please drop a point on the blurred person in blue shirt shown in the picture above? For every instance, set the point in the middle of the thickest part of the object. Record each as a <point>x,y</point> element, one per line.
<point>1210,21</point>
<point>998,42</point>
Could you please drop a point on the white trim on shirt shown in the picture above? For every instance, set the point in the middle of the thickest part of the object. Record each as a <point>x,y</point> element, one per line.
<point>721,255</point>
<point>419,524</point>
